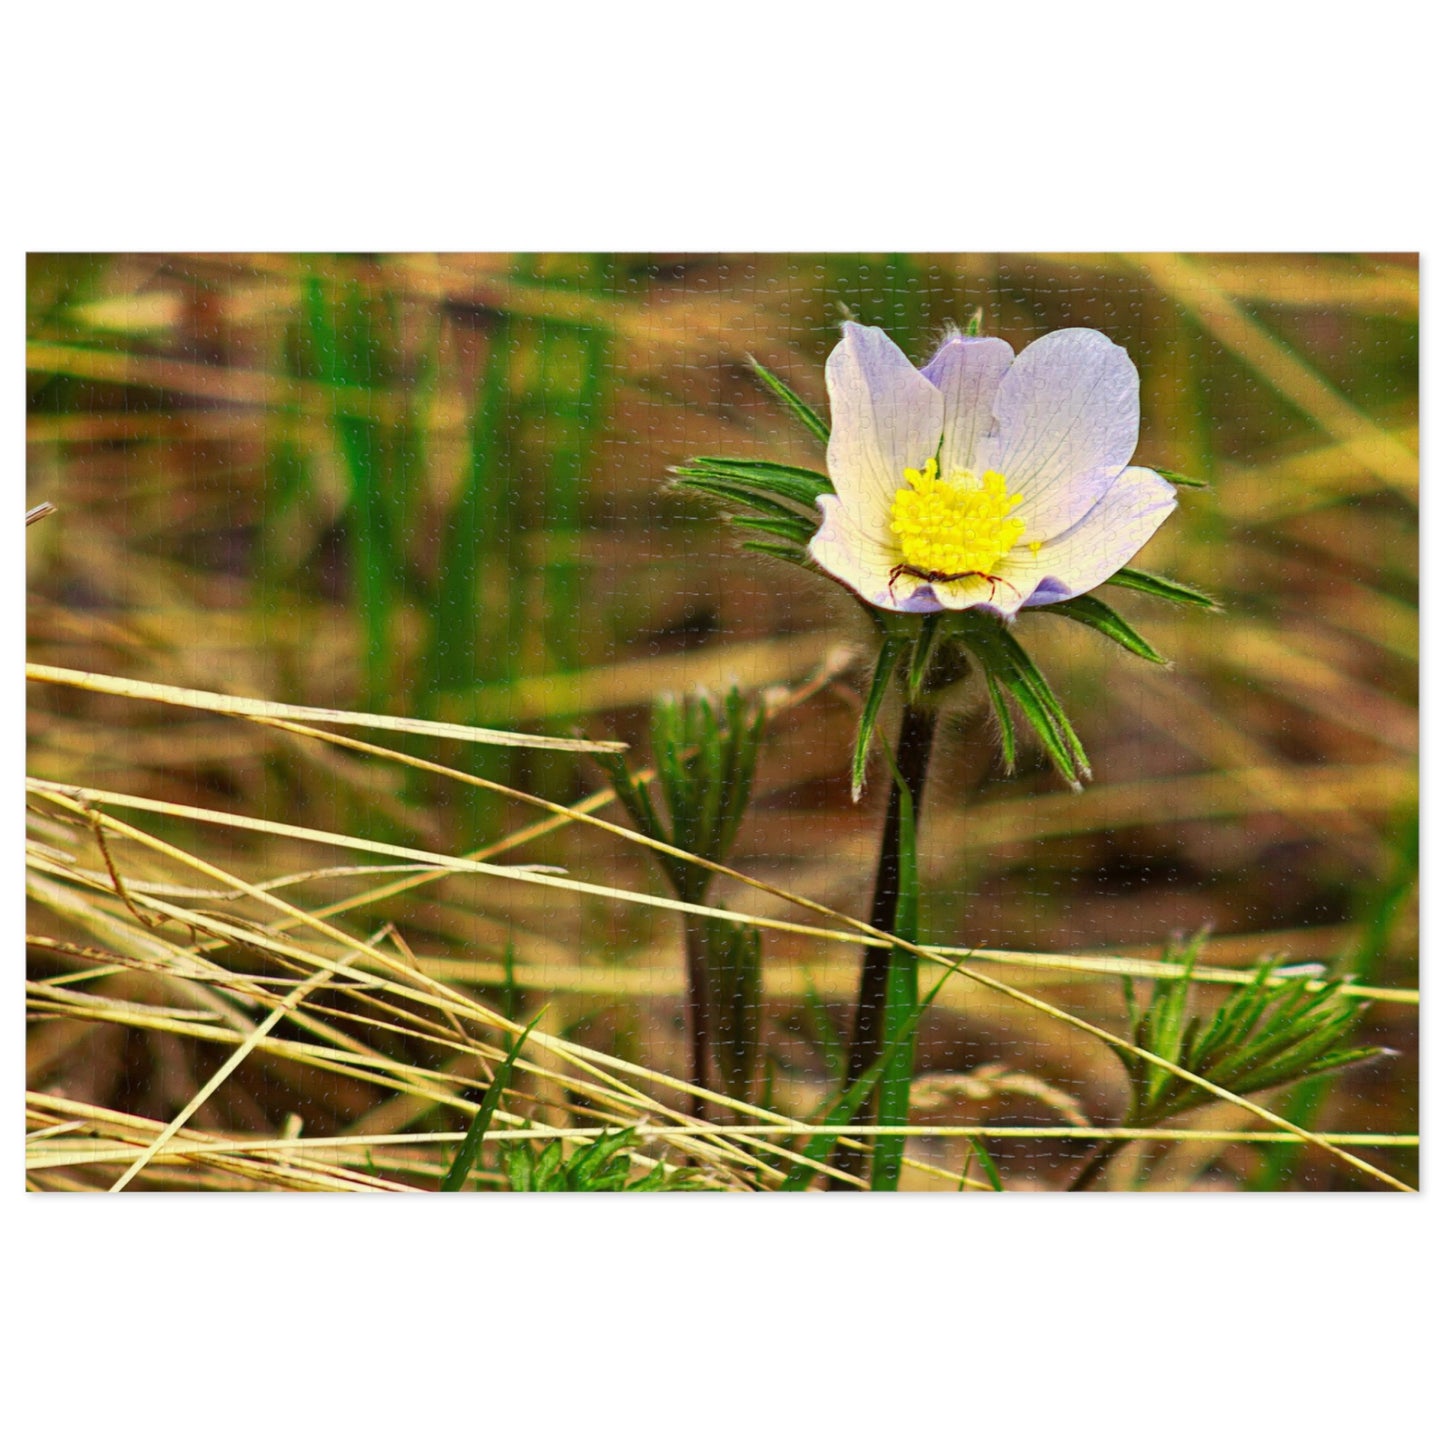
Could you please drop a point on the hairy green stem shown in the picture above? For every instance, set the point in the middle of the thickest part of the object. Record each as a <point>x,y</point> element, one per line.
<point>694,942</point>
<point>915,747</point>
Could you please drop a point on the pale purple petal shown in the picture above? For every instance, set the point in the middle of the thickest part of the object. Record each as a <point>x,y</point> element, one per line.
<point>1090,552</point>
<point>886,417</point>
<point>967,370</point>
<point>1066,423</point>
<point>865,561</point>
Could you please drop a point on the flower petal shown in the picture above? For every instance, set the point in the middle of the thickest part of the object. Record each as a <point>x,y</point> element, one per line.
<point>865,561</point>
<point>1067,422</point>
<point>967,370</point>
<point>988,594</point>
<point>1096,547</point>
<point>886,416</point>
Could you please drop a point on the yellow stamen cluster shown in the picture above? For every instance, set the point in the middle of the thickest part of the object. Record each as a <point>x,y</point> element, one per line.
<point>955,524</point>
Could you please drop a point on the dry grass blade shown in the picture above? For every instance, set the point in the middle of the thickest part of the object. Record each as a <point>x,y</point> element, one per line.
<point>1373,447</point>
<point>265,711</point>
<point>71,797</point>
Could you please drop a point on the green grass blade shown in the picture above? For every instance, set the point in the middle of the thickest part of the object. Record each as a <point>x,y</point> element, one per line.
<point>471,1145</point>
<point>569,396</point>
<point>990,1169</point>
<point>341,333</point>
<point>820,1145</point>
<point>835,1051</point>
<point>1384,900</point>
<point>460,651</point>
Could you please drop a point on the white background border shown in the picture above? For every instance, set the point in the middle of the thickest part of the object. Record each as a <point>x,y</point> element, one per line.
<point>752,126</point>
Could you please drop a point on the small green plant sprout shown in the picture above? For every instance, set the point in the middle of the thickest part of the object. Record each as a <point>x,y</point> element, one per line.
<point>705,752</point>
<point>1284,1026</point>
<point>602,1166</point>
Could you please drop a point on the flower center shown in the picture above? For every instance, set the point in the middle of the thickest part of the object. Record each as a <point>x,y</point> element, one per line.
<point>954,525</point>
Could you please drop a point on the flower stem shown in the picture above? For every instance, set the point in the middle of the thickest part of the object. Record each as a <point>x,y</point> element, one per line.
<point>694,943</point>
<point>915,746</point>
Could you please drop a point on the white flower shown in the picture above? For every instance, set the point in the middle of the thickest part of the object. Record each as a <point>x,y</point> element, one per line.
<point>983,480</point>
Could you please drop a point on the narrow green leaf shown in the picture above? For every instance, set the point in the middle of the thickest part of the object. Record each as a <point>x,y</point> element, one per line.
<point>990,1169</point>
<point>1028,670</point>
<point>888,656</point>
<point>841,1114</point>
<point>744,496</point>
<point>835,1051</point>
<point>818,1147</point>
<point>1384,899</point>
<point>928,634</point>
<point>1289,1063</point>
<point>746,722</point>
<point>655,1179</point>
<point>1278,1161</point>
<point>791,399</point>
<point>519,1167</point>
<point>635,798</point>
<point>1164,587</point>
<point>1339,1061</point>
<point>341,329</point>
<point>795,555</point>
<point>460,649</point>
<point>1044,727</point>
<point>991,643</point>
<point>800,485</point>
<point>792,529</point>
<point>707,770</point>
<point>1007,742</point>
<point>548,1168</point>
<point>471,1146</point>
<point>1103,619</point>
<point>588,1168</point>
<point>1178,478</point>
<point>511,994</point>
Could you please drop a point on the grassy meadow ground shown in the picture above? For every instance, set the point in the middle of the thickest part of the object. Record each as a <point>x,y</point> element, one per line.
<point>437,488</point>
